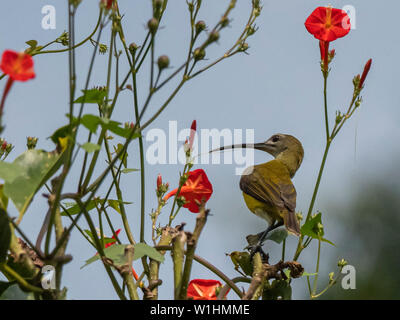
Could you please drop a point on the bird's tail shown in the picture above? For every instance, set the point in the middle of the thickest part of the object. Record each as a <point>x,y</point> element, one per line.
<point>291,223</point>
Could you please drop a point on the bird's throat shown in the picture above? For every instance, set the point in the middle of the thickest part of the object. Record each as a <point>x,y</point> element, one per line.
<point>291,160</point>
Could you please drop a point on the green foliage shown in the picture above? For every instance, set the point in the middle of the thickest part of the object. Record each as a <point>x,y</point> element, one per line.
<point>242,260</point>
<point>13,292</point>
<point>129,170</point>
<point>124,156</point>
<point>92,96</point>
<point>277,235</point>
<point>62,132</point>
<point>92,122</point>
<point>278,290</point>
<point>5,235</point>
<point>3,198</point>
<point>90,147</point>
<point>105,239</point>
<point>116,254</point>
<point>27,174</point>
<point>314,228</point>
<point>73,208</point>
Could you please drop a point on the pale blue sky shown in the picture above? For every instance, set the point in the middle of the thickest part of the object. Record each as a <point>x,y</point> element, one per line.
<point>277,88</point>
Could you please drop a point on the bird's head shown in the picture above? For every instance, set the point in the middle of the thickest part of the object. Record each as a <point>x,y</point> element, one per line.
<point>283,147</point>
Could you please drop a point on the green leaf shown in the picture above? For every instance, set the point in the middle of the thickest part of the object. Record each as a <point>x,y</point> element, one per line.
<point>91,122</point>
<point>314,228</point>
<point>27,174</point>
<point>115,204</point>
<point>62,132</point>
<point>75,209</point>
<point>92,96</point>
<point>32,44</point>
<point>13,292</point>
<point>277,235</point>
<point>128,170</point>
<point>242,260</point>
<point>90,147</point>
<point>3,198</point>
<point>5,235</point>
<point>124,156</point>
<point>306,274</point>
<point>4,285</point>
<point>106,240</point>
<point>278,289</point>
<point>114,127</point>
<point>117,254</point>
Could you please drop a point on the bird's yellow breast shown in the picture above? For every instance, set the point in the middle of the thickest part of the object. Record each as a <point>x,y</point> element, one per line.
<point>273,171</point>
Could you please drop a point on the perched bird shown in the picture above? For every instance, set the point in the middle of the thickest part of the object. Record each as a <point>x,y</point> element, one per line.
<point>268,189</point>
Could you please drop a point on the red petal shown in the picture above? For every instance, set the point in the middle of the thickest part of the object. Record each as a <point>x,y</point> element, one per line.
<point>18,65</point>
<point>203,289</point>
<point>318,24</point>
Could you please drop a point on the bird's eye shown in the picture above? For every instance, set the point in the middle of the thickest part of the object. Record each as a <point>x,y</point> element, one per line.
<point>275,138</point>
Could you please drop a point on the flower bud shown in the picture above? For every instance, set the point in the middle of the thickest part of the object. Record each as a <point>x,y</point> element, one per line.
<point>251,30</point>
<point>31,142</point>
<point>341,263</point>
<point>75,3</point>
<point>103,48</point>
<point>199,54</point>
<point>63,39</point>
<point>163,62</point>
<point>358,102</point>
<point>200,26</point>
<point>365,73</point>
<point>299,216</point>
<point>3,145</point>
<point>332,278</point>
<point>159,181</point>
<point>339,117</point>
<point>213,36</point>
<point>132,48</point>
<point>243,47</point>
<point>180,201</point>
<point>152,25</point>
<point>224,22</point>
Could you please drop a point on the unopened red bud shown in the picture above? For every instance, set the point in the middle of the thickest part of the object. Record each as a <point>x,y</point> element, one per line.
<point>163,62</point>
<point>159,181</point>
<point>365,73</point>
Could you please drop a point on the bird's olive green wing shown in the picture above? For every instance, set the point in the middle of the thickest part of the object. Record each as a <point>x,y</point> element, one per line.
<point>268,187</point>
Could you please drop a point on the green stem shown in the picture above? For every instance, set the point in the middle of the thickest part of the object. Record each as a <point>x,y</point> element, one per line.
<point>326,105</point>
<point>80,43</point>
<point>21,281</point>
<point>317,267</point>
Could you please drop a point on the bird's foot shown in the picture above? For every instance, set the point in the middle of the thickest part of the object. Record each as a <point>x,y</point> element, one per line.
<point>257,248</point>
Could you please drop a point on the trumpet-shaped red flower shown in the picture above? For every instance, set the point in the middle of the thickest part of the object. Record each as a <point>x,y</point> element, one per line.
<point>203,289</point>
<point>196,188</point>
<point>328,24</point>
<point>18,65</point>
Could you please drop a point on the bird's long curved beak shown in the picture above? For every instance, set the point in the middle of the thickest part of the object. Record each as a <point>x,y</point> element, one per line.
<point>258,146</point>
